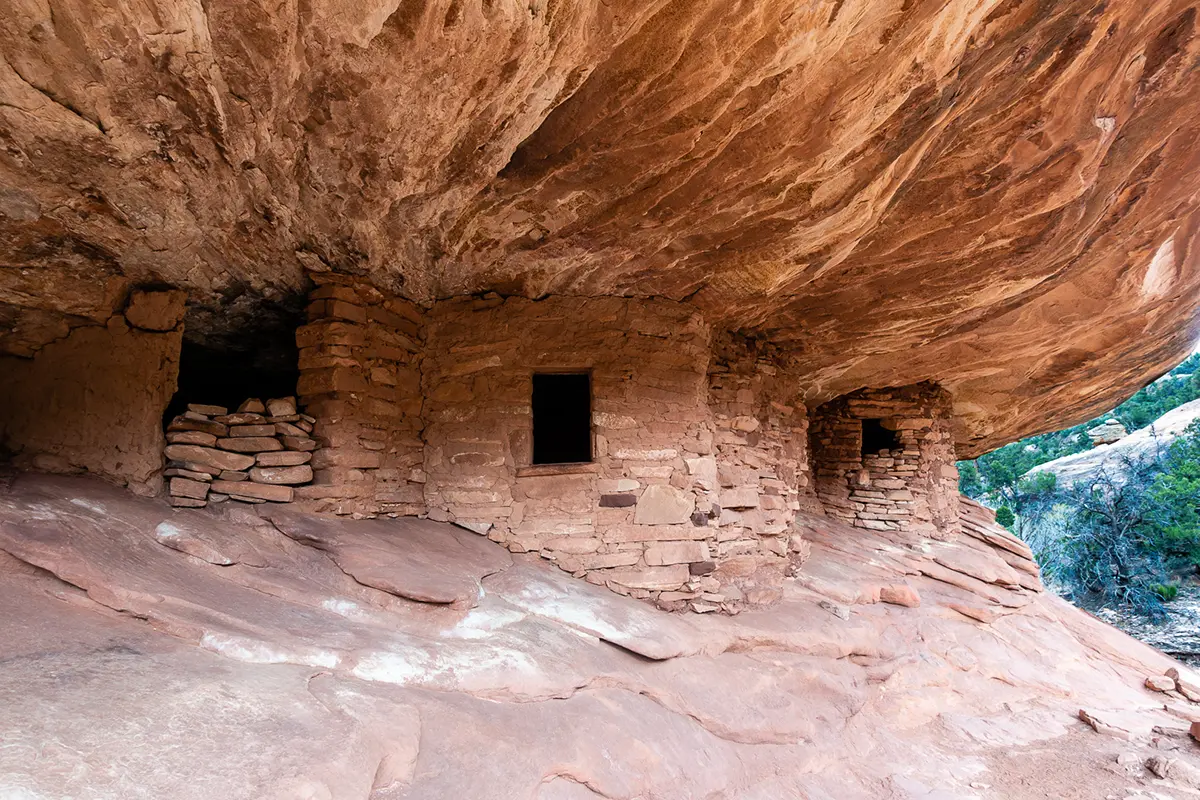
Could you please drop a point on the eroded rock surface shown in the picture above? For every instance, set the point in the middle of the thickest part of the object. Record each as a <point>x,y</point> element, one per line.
<point>1000,197</point>
<point>212,655</point>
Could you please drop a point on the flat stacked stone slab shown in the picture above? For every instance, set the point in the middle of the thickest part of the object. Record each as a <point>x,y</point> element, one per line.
<point>256,454</point>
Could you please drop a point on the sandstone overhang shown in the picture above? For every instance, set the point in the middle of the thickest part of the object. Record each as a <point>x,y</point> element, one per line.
<point>999,197</point>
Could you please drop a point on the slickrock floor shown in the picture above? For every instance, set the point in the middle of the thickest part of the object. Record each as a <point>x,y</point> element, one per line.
<point>150,652</point>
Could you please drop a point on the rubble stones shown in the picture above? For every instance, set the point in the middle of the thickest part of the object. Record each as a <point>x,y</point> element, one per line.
<point>1160,683</point>
<point>1184,686</point>
<point>249,464</point>
<point>899,594</point>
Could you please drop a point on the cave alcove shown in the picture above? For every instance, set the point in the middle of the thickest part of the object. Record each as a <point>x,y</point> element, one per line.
<point>241,347</point>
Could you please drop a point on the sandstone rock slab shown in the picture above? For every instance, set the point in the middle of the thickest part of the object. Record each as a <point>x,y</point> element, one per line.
<point>221,459</point>
<point>664,505</point>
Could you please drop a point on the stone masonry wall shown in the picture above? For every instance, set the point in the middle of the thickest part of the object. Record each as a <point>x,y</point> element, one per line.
<point>758,473</point>
<point>94,400</point>
<point>911,487</point>
<point>629,520</point>
<point>360,379</point>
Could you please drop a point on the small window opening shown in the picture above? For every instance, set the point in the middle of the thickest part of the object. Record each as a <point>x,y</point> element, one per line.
<point>876,438</point>
<point>562,418</point>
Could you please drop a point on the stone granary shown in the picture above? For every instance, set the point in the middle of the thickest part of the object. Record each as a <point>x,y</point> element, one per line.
<point>587,289</point>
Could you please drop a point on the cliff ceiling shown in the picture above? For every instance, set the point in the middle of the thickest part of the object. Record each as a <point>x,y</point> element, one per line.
<point>1001,196</point>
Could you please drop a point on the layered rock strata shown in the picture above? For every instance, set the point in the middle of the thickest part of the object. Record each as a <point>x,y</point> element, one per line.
<point>257,652</point>
<point>260,453</point>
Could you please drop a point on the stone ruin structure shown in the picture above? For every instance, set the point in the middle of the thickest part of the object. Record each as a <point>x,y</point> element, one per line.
<point>692,444</point>
<point>628,441</point>
<point>625,311</point>
<point>885,460</point>
<point>257,454</point>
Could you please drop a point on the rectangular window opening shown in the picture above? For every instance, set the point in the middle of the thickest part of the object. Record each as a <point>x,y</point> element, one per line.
<point>562,418</point>
<point>876,438</point>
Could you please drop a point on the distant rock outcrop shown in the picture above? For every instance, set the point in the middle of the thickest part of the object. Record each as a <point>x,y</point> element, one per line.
<point>1107,432</point>
<point>1142,443</point>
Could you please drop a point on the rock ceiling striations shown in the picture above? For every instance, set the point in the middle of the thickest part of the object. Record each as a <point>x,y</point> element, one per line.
<point>1000,196</point>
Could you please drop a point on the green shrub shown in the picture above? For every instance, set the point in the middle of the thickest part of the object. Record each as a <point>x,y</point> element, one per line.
<point>1166,591</point>
<point>1005,517</point>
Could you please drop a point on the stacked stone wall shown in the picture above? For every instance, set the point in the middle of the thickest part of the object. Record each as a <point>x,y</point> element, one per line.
<point>360,379</point>
<point>912,486</point>
<point>758,474</point>
<point>633,519</point>
<point>258,454</point>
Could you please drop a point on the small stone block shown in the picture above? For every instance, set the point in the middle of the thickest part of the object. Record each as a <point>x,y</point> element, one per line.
<point>303,444</point>
<point>281,406</point>
<point>288,429</point>
<point>250,444</point>
<point>242,419</point>
<point>249,490</point>
<point>220,459</point>
<point>618,500</point>
<point>186,487</point>
<point>186,502</point>
<point>233,475</point>
<point>282,458</point>
<point>282,475</point>
<point>252,406</point>
<point>192,437</point>
<point>251,430</point>
<point>192,466</point>
<point>191,424</point>
<point>208,411</point>
<point>180,472</point>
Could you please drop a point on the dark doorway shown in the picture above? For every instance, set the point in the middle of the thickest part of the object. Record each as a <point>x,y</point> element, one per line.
<point>241,348</point>
<point>876,438</point>
<point>562,418</point>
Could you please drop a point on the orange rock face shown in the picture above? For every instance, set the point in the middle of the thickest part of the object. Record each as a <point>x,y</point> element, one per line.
<point>1000,197</point>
